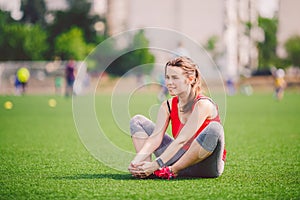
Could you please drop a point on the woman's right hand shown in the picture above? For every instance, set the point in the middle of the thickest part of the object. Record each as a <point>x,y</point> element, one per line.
<point>133,168</point>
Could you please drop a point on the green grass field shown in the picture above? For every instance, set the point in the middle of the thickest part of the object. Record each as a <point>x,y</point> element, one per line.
<point>42,156</point>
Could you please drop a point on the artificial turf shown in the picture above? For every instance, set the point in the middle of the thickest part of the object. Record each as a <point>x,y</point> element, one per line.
<point>42,156</point>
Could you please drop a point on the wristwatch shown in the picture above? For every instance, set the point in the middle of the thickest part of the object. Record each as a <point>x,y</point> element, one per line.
<point>160,163</point>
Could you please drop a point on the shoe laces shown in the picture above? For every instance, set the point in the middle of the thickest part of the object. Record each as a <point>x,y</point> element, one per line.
<point>165,173</point>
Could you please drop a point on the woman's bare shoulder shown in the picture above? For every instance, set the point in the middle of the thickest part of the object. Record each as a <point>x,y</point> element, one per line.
<point>206,105</point>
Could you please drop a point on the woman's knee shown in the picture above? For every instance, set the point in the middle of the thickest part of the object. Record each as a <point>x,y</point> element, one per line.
<point>135,119</point>
<point>215,128</point>
<point>209,137</point>
<point>135,124</point>
<point>140,123</point>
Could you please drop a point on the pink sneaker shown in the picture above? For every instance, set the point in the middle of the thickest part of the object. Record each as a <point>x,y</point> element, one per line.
<point>165,173</point>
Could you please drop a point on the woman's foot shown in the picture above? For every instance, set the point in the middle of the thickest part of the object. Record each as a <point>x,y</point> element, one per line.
<point>165,173</point>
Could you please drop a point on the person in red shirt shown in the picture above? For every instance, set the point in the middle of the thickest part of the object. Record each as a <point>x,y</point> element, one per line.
<point>197,148</point>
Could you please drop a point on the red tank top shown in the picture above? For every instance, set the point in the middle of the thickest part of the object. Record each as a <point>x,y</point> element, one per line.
<point>177,125</point>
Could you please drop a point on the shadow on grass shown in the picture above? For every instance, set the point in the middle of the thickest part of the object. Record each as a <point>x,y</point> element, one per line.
<point>111,176</point>
<point>96,176</point>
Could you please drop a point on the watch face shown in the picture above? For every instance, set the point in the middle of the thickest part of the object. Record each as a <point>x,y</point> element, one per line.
<point>160,162</point>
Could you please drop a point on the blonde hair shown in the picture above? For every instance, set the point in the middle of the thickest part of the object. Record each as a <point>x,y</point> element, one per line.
<point>190,69</point>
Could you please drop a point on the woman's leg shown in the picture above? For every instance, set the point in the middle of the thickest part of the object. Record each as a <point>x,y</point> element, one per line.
<point>204,157</point>
<point>194,155</point>
<point>141,128</point>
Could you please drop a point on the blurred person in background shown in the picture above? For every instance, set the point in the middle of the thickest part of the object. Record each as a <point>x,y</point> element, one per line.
<point>230,87</point>
<point>70,77</point>
<point>21,80</point>
<point>18,86</point>
<point>279,84</point>
<point>58,84</point>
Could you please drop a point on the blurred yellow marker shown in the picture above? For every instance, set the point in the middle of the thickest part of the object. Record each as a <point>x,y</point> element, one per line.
<point>8,105</point>
<point>52,103</point>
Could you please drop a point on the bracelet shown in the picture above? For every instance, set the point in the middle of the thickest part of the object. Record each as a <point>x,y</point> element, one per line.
<point>160,163</point>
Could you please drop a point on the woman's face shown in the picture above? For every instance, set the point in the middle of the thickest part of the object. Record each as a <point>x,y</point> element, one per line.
<point>176,82</point>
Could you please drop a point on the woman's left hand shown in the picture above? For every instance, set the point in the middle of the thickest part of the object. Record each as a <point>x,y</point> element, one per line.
<point>133,168</point>
<point>142,169</point>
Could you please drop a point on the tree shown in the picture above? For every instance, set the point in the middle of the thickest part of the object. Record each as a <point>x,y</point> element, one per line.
<point>139,56</point>
<point>71,44</point>
<point>267,49</point>
<point>33,11</point>
<point>21,41</point>
<point>5,19</point>
<point>292,46</point>
<point>78,15</point>
<point>143,55</point>
<point>210,46</point>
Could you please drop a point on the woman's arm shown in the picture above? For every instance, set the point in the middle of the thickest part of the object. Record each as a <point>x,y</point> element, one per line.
<point>203,109</point>
<point>154,140</point>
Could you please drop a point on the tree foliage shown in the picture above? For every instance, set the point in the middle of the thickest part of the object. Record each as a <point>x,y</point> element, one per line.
<point>78,15</point>
<point>71,34</point>
<point>267,49</point>
<point>139,56</point>
<point>71,44</point>
<point>292,47</point>
<point>33,11</point>
<point>21,42</point>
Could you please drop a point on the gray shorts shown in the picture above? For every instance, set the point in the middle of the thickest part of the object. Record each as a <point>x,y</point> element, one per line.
<point>211,139</point>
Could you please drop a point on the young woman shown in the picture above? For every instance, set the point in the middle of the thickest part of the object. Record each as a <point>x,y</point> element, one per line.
<point>197,147</point>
